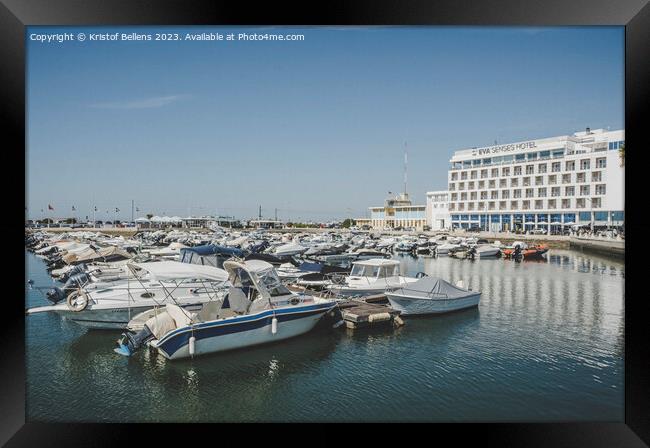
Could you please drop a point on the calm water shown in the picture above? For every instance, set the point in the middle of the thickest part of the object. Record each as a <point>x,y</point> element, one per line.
<point>545,344</point>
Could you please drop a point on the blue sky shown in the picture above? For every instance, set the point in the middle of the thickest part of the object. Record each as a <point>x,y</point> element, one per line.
<point>314,128</point>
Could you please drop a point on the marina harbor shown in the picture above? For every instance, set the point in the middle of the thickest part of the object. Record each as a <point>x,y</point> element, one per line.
<point>185,303</point>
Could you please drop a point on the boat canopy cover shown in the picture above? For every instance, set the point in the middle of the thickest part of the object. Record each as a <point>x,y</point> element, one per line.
<point>433,287</point>
<point>377,262</point>
<point>173,270</point>
<point>90,254</point>
<point>211,249</point>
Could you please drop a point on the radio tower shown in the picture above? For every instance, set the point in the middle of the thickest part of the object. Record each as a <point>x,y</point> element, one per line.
<point>405,169</point>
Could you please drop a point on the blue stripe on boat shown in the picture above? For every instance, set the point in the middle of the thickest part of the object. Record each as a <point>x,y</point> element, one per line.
<point>180,337</point>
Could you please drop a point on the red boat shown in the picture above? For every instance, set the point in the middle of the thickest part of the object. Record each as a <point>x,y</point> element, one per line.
<point>531,252</point>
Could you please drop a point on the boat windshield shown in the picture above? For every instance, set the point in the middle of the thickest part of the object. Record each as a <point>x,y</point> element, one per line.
<point>269,278</point>
<point>360,270</point>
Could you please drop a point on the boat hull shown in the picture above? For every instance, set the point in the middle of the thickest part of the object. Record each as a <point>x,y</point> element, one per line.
<point>240,332</point>
<point>410,306</point>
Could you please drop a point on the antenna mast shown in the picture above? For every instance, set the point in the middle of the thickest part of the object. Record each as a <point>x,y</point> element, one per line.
<point>405,168</point>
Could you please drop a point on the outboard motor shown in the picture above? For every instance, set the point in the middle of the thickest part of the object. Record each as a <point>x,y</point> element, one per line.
<point>130,343</point>
<point>516,253</point>
<point>56,294</point>
<point>471,253</point>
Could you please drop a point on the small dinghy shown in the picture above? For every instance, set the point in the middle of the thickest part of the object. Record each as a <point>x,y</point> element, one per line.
<point>431,295</point>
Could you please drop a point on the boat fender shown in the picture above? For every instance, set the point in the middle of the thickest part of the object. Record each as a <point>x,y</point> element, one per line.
<point>77,301</point>
<point>274,325</point>
<point>192,345</point>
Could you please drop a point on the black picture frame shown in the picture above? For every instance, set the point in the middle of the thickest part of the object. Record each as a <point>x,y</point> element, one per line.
<point>15,15</point>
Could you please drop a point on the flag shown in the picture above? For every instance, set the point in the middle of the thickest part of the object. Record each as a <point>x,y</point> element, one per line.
<point>73,209</point>
<point>95,208</point>
<point>117,209</point>
<point>49,207</point>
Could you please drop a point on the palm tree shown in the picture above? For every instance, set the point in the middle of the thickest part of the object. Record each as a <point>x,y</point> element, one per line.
<point>621,152</point>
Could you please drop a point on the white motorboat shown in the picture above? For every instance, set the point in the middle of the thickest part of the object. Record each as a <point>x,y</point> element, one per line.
<point>111,305</point>
<point>289,249</point>
<point>371,277</point>
<point>485,251</point>
<point>431,295</point>
<point>258,309</point>
<point>444,249</point>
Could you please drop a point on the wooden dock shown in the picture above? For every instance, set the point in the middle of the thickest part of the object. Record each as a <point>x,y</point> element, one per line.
<point>363,312</point>
<point>357,313</point>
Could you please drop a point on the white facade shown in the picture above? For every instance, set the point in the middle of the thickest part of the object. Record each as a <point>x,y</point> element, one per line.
<point>548,183</point>
<point>397,211</point>
<point>438,217</point>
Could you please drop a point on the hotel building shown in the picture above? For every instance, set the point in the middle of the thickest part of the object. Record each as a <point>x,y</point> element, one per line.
<point>547,183</point>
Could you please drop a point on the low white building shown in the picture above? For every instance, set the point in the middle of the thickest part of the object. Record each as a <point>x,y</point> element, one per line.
<point>438,217</point>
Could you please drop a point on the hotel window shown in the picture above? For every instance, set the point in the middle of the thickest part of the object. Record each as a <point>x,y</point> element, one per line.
<point>584,164</point>
<point>481,206</point>
<point>470,186</point>
<point>473,195</point>
<point>503,183</point>
<point>539,204</point>
<point>555,191</point>
<point>514,182</point>
<point>470,206</point>
<point>514,204</point>
<point>555,167</point>
<point>566,178</point>
<point>595,203</point>
<point>584,190</point>
<point>541,192</point>
<point>566,203</point>
<point>530,169</point>
<point>452,206</point>
<point>505,194</point>
<point>494,194</point>
<point>557,153</point>
<point>526,181</point>
<point>544,154</point>
<point>495,172</point>
<point>516,194</point>
<point>530,192</point>
<point>519,157</point>
<point>487,161</point>
<point>580,178</point>
<point>484,174</point>
<point>481,184</point>
<point>517,170</point>
<point>454,196</point>
<point>492,184</point>
<point>461,206</point>
<point>541,168</point>
<point>525,205</point>
<point>491,206</point>
<point>552,179</point>
<point>483,194</point>
<point>505,171</point>
<point>551,203</point>
<point>463,175</point>
<point>539,180</point>
<point>474,174</point>
<point>596,176</point>
<point>570,166</point>
<point>463,196</point>
<point>580,203</point>
<point>601,162</point>
<point>502,205</point>
<point>461,185</point>
<point>454,176</point>
<point>601,189</point>
<point>452,187</point>
<point>569,191</point>
<point>531,156</point>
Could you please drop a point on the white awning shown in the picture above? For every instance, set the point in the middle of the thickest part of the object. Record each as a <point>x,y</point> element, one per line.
<point>141,220</point>
<point>175,271</point>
